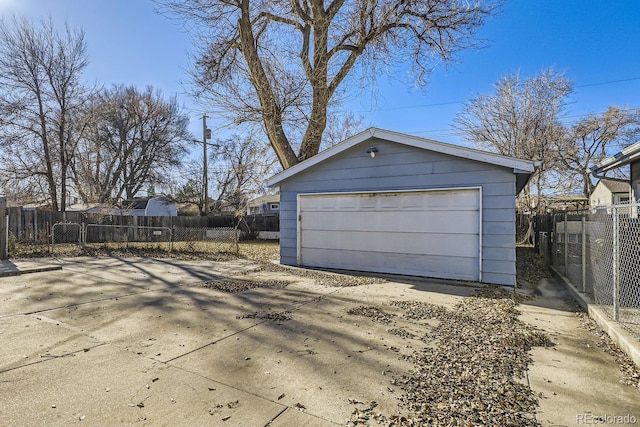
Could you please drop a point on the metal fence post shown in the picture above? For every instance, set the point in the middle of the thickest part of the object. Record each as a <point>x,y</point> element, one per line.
<point>616,265</point>
<point>566,244</point>
<point>52,237</point>
<point>584,252</point>
<point>3,229</point>
<point>553,241</point>
<point>171,236</point>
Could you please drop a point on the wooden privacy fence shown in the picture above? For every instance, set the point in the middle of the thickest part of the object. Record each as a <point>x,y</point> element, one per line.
<point>35,226</point>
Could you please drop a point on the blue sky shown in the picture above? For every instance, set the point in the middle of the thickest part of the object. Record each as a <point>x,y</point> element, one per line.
<point>594,42</point>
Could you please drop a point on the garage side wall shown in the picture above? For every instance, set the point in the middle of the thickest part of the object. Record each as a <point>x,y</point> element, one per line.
<point>401,167</point>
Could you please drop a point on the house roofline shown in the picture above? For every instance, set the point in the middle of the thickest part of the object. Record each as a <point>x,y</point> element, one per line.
<point>518,165</point>
<point>623,158</point>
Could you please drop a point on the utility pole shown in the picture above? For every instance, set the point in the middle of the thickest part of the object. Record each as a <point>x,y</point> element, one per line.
<point>206,134</point>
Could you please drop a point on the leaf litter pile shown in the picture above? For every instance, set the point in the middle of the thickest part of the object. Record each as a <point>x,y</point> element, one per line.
<point>238,285</point>
<point>629,370</point>
<point>471,373</point>
<point>374,313</point>
<point>319,277</point>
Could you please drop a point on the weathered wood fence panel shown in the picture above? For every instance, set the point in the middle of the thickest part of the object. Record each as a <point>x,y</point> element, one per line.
<point>34,226</point>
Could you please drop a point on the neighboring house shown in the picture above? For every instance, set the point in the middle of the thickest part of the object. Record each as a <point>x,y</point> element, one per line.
<point>609,192</point>
<point>154,206</point>
<point>393,203</point>
<point>93,208</point>
<point>264,205</point>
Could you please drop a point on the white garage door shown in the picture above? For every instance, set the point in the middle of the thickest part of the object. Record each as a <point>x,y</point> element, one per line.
<point>434,233</point>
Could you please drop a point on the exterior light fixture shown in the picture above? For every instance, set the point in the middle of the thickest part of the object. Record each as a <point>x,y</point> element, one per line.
<point>372,151</point>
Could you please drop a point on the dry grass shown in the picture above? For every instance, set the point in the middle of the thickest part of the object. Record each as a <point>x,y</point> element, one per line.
<point>258,250</point>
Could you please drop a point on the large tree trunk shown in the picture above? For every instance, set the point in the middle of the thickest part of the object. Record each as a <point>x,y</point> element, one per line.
<point>271,111</point>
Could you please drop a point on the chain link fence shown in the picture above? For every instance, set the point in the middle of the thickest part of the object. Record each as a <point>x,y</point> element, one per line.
<point>206,240</point>
<point>124,237</point>
<point>36,233</point>
<point>65,234</point>
<point>598,250</point>
<point>127,236</point>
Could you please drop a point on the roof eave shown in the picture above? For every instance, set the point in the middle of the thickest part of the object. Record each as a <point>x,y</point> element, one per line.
<point>624,157</point>
<point>525,166</point>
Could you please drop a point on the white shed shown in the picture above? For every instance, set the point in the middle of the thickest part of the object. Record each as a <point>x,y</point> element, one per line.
<point>152,206</point>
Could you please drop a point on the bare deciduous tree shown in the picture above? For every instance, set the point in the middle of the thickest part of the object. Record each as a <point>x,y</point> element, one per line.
<point>188,188</point>
<point>587,142</point>
<point>241,166</point>
<point>341,128</point>
<point>136,139</point>
<point>41,98</point>
<point>522,119</point>
<point>282,63</point>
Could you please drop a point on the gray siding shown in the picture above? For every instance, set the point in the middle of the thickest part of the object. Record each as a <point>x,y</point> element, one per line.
<point>400,167</point>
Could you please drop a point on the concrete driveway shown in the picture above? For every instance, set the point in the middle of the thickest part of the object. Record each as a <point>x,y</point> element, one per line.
<point>124,341</point>
<point>108,341</point>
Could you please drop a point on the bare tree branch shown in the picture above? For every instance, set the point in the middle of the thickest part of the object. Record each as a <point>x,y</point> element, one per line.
<point>41,98</point>
<point>252,51</point>
<point>137,138</point>
<point>522,119</point>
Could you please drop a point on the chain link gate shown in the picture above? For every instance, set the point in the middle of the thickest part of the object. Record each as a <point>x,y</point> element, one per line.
<point>65,233</point>
<point>218,239</point>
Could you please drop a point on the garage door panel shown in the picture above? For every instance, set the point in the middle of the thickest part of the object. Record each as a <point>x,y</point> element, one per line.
<point>464,245</point>
<point>425,233</point>
<point>443,267</point>
<point>437,200</point>
<point>411,221</point>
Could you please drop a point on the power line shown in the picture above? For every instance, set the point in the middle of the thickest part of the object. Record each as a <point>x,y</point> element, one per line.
<point>610,82</point>
<point>439,104</point>
<point>453,132</point>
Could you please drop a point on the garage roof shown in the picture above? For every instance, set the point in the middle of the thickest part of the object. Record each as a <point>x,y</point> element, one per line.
<point>522,168</point>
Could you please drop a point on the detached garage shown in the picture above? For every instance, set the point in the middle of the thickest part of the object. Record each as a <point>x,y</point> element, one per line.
<point>393,203</point>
